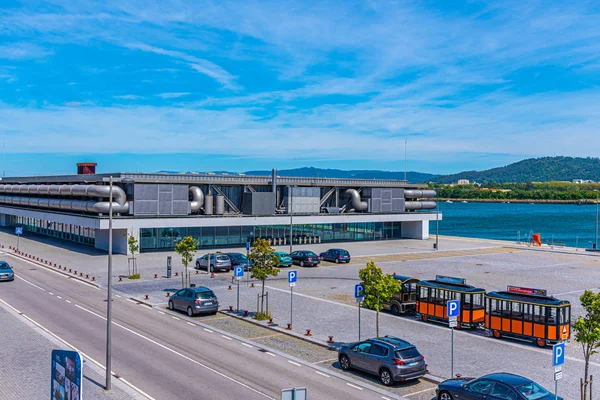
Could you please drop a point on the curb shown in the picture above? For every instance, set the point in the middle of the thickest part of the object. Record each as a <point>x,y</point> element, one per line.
<point>550,250</point>
<point>141,302</point>
<point>428,377</point>
<point>55,270</point>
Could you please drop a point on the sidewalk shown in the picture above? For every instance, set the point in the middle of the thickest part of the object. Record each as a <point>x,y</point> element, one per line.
<point>25,358</point>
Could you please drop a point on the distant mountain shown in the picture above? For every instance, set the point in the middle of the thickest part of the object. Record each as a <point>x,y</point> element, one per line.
<point>412,177</point>
<point>543,169</point>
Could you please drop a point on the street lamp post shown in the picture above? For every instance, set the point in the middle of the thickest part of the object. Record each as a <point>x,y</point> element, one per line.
<point>596,245</point>
<point>437,223</point>
<point>291,211</point>
<point>109,294</point>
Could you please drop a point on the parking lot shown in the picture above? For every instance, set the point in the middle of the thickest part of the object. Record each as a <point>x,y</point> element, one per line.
<point>324,303</point>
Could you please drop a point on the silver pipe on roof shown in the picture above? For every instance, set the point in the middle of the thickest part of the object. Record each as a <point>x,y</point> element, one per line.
<point>418,194</point>
<point>419,205</point>
<point>197,199</point>
<point>355,200</point>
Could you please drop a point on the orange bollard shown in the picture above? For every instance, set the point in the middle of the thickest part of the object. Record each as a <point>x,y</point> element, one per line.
<point>308,333</point>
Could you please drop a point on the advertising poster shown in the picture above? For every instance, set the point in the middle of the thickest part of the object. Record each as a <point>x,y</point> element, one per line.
<point>67,375</point>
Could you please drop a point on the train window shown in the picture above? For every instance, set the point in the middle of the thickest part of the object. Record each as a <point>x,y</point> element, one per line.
<point>552,315</point>
<point>527,312</point>
<point>539,314</point>
<point>563,314</point>
<point>423,293</point>
<point>495,307</point>
<point>516,310</point>
<point>478,300</point>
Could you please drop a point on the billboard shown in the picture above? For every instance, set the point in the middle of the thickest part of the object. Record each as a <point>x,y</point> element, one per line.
<point>66,377</point>
<point>524,290</point>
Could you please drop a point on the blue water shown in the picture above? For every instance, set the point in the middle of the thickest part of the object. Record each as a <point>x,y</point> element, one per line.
<point>565,224</point>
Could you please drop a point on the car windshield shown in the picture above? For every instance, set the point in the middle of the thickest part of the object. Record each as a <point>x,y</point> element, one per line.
<point>532,391</point>
<point>205,295</point>
<point>4,265</point>
<point>408,353</point>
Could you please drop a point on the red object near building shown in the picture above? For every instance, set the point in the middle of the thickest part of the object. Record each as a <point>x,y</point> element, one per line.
<point>86,168</point>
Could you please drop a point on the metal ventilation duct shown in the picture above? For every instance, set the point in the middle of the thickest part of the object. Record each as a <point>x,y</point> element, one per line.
<point>355,200</point>
<point>418,194</point>
<point>420,205</point>
<point>120,204</point>
<point>197,199</point>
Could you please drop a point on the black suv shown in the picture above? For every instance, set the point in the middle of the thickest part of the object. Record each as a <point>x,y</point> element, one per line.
<point>389,357</point>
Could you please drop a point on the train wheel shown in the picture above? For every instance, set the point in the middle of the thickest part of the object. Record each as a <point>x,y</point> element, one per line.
<point>424,317</point>
<point>540,342</point>
<point>497,334</point>
<point>395,309</point>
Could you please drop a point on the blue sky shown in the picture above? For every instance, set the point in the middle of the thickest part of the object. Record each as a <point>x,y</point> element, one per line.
<point>237,85</point>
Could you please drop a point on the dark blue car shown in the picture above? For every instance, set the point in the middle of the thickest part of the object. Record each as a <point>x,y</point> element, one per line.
<point>240,259</point>
<point>501,386</point>
<point>336,255</point>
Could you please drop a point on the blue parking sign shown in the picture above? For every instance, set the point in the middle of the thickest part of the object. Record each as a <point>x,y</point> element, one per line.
<point>292,277</point>
<point>238,271</point>
<point>558,354</point>
<point>359,291</point>
<point>247,246</point>
<point>453,308</point>
<point>18,231</point>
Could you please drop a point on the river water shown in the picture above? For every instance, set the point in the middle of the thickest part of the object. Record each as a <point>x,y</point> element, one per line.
<point>562,224</point>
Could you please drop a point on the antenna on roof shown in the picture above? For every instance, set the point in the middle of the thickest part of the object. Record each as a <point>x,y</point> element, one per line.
<point>405,144</point>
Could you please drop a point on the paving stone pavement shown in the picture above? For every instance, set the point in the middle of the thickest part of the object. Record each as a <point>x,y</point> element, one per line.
<point>25,358</point>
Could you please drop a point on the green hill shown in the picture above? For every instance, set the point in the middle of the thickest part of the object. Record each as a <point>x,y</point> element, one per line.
<point>411,176</point>
<point>545,169</point>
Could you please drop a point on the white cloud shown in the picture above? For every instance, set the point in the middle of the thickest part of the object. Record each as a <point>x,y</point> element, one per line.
<point>22,51</point>
<point>128,97</point>
<point>173,95</point>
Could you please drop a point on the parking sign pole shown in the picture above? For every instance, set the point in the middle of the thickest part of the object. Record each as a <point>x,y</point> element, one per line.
<point>238,294</point>
<point>452,355</point>
<point>359,321</point>
<point>291,305</point>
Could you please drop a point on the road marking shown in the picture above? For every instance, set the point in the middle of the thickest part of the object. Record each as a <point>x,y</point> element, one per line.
<point>385,398</point>
<point>324,361</point>
<point>116,295</point>
<point>271,354</point>
<point>419,392</point>
<point>246,344</point>
<point>189,323</point>
<point>295,363</point>
<point>68,301</point>
<point>208,330</point>
<point>51,294</point>
<point>354,386</point>
<point>226,337</point>
<point>320,373</point>
<point>182,355</point>
<point>176,318</point>
<point>32,284</point>
<point>59,297</point>
<point>81,352</point>
<point>162,313</point>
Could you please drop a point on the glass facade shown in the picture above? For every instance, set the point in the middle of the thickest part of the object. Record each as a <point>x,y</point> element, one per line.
<point>74,233</point>
<point>153,239</point>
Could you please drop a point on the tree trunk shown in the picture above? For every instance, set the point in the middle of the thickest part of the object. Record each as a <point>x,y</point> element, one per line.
<point>377,321</point>
<point>585,375</point>
<point>262,298</point>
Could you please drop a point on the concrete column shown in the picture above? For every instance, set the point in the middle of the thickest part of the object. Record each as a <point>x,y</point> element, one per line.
<point>415,230</point>
<point>119,240</point>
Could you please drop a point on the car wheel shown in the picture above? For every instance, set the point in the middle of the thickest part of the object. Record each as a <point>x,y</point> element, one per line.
<point>395,309</point>
<point>171,306</point>
<point>212,268</point>
<point>445,396</point>
<point>213,313</point>
<point>302,263</point>
<point>386,377</point>
<point>345,362</point>
<point>190,312</point>
<point>337,260</point>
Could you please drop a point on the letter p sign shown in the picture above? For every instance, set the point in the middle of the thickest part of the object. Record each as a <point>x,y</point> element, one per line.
<point>558,354</point>
<point>453,308</point>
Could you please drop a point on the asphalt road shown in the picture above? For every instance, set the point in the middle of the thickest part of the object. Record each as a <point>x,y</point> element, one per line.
<point>163,355</point>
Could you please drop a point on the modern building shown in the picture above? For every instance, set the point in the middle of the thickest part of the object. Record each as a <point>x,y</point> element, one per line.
<point>218,210</point>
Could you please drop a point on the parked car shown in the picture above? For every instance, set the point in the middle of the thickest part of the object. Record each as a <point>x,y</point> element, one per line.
<point>218,262</point>
<point>389,357</point>
<point>305,258</point>
<point>195,300</point>
<point>336,255</point>
<point>285,260</point>
<point>493,386</point>
<point>239,259</point>
<point>6,272</point>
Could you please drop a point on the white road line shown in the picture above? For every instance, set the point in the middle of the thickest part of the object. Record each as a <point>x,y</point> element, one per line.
<point>161,313</point>
<point>419,392</point>
<point>32,284</point>
<point>354,386</point>
<point>189,323</point>
<point>134,302</point>
<point>176,318</point>
<point>246,344</point>
<point>182,355</point>
<point>208,330</point>
<point>320,373</point>
<point>51,294</point>
<point>116,295</point>
<point>68,301</point>
<point>59,297</point>
<point>226,337</point>
<point>295,363</point>
<point>81,352</point>
<point>385,398</point>
<point>271,354</point>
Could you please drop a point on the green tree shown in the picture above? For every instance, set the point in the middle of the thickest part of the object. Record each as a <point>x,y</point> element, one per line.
<point>379,288</point>
<point>134,248</point>
<point>264,265</point>
<point>186,248</point>
<point>587,331</point>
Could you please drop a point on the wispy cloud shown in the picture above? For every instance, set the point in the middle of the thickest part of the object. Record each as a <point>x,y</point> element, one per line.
<point>173,95</point>
<point>129,97</point>
<point>22,51</point>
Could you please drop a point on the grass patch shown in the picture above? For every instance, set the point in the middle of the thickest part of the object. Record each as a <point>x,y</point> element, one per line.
<point>262,316</point>
<point>135,276</point>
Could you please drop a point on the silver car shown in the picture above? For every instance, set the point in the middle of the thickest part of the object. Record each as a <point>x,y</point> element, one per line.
<point>218,262</point>
<point>6,272</point>
<point>195,300</point>
<point>391,358</point>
